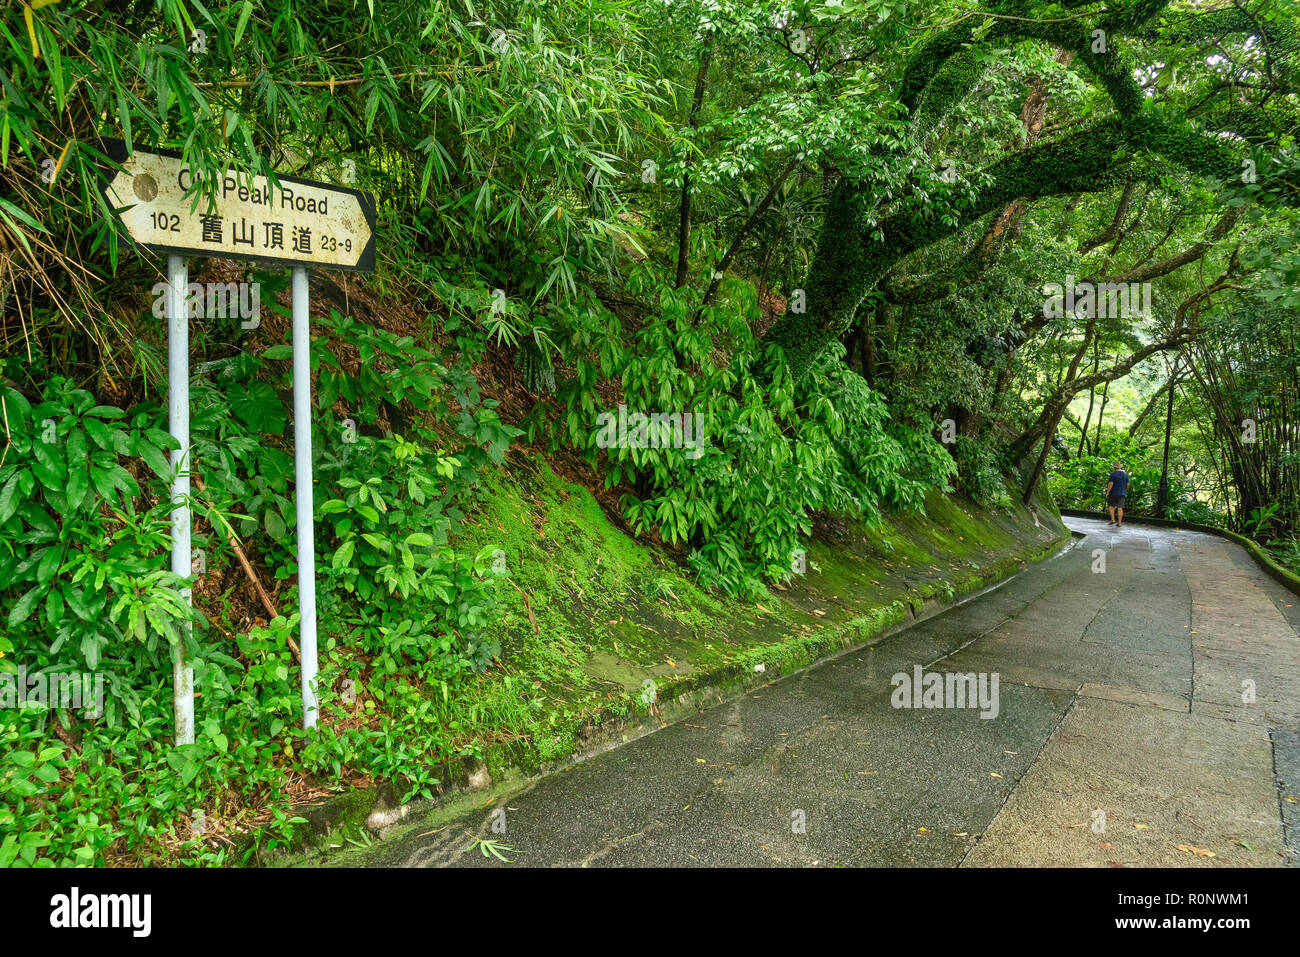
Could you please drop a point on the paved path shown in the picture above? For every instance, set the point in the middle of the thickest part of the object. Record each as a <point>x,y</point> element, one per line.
<point>1121,733</point>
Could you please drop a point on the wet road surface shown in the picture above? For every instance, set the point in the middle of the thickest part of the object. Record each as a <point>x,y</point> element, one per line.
<point>1146,715</point>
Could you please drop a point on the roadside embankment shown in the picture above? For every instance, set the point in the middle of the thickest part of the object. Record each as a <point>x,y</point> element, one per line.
<point>605,639</point>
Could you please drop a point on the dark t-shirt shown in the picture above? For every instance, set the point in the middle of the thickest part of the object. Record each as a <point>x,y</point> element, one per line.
<point>1119,480</point>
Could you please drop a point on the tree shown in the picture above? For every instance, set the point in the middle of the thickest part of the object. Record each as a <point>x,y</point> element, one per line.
<point>864,235</point>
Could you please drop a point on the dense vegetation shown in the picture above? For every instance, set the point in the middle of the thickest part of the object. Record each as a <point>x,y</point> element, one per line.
<point>826,234</point>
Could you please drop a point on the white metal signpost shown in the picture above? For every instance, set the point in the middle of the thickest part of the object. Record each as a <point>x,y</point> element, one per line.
<point>300,223</point>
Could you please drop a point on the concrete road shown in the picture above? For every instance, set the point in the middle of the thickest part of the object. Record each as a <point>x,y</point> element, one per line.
<point>1146,714</point>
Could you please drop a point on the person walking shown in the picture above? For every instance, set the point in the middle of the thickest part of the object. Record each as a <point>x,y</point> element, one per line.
<point>1116,490</point>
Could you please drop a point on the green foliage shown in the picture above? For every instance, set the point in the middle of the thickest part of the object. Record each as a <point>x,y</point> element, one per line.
<point>84,576</point>
<point>424,100</point>
<point>83,569</point>
<point>980,468</point>
<point>739,482</point>
<point>1287,551</point>
<point>29,768</point>
<point>495,848</point>
<point>407,616</point>
<point>1081,481</point>
<point>867,158</point>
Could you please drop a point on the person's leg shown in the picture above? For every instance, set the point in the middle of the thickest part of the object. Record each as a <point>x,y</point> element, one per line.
<point>1111,509</point>
<point>1120,510</point>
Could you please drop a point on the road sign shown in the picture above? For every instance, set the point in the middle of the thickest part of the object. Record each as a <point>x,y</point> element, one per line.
<point>300,222</point>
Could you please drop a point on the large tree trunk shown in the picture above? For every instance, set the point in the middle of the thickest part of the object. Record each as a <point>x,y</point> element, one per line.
<point>1092,395</point>
<point>684,219</point>
<point>1042,461</point>
<point>853,253</point>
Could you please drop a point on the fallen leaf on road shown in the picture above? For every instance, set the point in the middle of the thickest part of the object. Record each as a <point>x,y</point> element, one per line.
<point>994,774</point>
<point>1143,827</point>
<point>1245,845</point>
<point>1290,799</point>
<point>962,834</point>
<point>868,772</point>
<point>700,726</point>
<point>1071,827</point>
<point>1115,864</point>
<point>1103,844</point>
<point>1198,851</point>
<point>700,761</point>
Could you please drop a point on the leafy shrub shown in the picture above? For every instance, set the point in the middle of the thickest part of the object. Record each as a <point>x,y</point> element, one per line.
<point>980,470</point>
<point>1081,481</point>
<point>1198,512</point>
<point>771,455</point>
<point>86,586</point>
<point>83,567</point>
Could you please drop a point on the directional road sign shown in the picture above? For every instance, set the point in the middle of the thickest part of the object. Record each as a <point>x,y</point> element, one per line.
<point>298,222</point>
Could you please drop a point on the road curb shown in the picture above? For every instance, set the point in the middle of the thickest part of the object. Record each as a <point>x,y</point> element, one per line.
<point>1286,578</point>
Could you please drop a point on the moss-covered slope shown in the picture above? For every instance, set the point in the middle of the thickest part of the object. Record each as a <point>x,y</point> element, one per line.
<point>598,626</point>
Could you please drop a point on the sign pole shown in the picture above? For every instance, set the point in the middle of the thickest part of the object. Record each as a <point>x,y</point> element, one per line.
<point>303,491</point>
<point>178,423</point>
